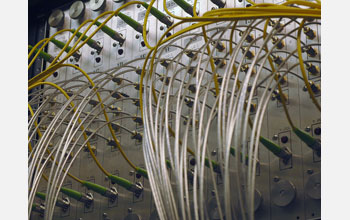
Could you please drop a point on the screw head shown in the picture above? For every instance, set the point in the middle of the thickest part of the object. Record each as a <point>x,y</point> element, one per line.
<point>92,52</point>
<point>137,36</point>
<point>129,210</point>
<point>308,128</point>
<point>114,44</point>
<point>131,172</point>
<point>276,179</point>
<point>161,28</point>
<point>275,137</point>
<point>213,153</point>
<point>310,171</point>
<point>71,59</point>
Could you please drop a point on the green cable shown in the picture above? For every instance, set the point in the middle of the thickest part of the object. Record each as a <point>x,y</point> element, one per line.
<point>158,14</point>
<point>185,6</point>
<point>275,149</point>
<point>110,32</point>
<point>47,57</point>
<point>95,187</point>
<point>311,142</point>
<point>60,45</point>
<point>134,24</point>
<point>142,172</point>
<point>59,202</point>
<point>93,44</point>
<point>72,193</point>
<point>126,184</point>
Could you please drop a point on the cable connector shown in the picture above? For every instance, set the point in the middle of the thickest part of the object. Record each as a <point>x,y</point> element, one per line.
<point>277,96</point>
<point>159,15</point>
<point>277,59</point>
<point>138,120</point>
<point>312,52</point>
<point>220,63</point>
<point>283,153</point>
<point>137,136</point>
<point>131,22</point>
<point>186,7</point>
<point>218,45</point>
<point>249,38</point>
<point>280,44</point>
<point>314,70</point>
<point>191,54</point>
<point>314,87</point>
<point>276,24</point>
<point>103,191</point>
<point>93,44</point>
<point>113,34</point>
<point>249,54</point>
<point>136,188</point>
<point>164,63</point>
<point>165,79</point>
<point>61,45</point>
<point>117,80</point>
<point>219,3</point>
<point>47,57</point>
<point>313,143</point>
<point>38,208</point>
<point>310,34</point>
<point>245,69</point>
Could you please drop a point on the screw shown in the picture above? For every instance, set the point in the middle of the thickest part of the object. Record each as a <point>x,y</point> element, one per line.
<point>307,129</point>
<point>114,44</point>
<point>304,88</point>
<point>137,36</point>
<point>213,153</point>
<point>106,178</point>
<point>129,210</point>
<point>131,172</point>
<point>276,179</point>
<point>104,215</point>
<point>161,28</point>
<point>275,137</point>
<point>92,52</point>
<point>310,171</point>
<point>71,60</point>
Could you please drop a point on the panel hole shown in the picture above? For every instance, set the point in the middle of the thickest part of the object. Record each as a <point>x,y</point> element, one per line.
<point>143,44</point>
<point>98,59</point>
<point>55,74</point>
<point>120,51</point>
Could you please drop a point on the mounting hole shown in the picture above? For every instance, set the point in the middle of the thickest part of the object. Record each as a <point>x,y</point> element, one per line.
<point>193,161</point>
<point>317,131</point>
<point>138,6</point>
<point>98,59</point>
<point>143,44</point>
<point>138,176</point>
<point>55,74</point>
<point>120,51</point>
<point>168,34</point>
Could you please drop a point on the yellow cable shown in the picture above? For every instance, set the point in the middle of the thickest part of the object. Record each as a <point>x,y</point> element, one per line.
<point>81,127</point>
<point>105,114</point>
<point>302,67</point>
<point>47,150</point>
